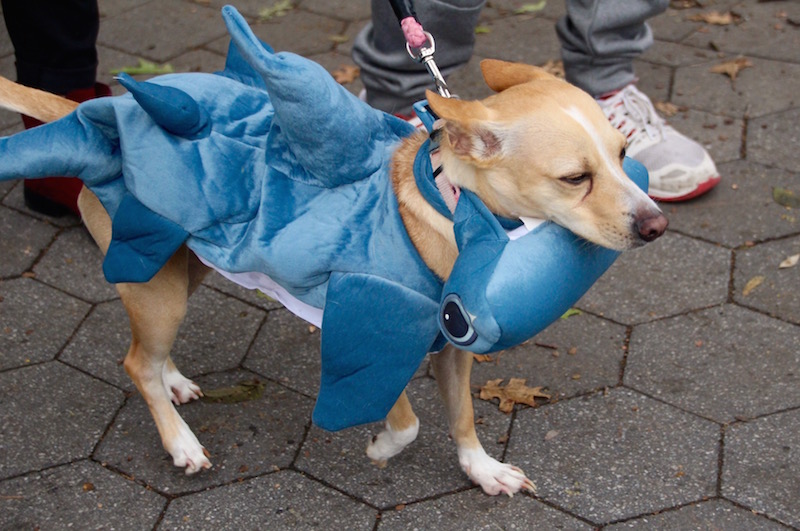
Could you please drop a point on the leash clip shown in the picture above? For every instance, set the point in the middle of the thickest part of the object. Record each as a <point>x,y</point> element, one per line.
<point>425,55</point>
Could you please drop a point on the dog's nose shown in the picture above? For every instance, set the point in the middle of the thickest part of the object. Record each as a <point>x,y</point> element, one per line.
<point>652,227</point>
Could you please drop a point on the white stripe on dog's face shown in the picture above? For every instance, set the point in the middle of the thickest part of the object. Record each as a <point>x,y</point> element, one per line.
<point>638,199</point>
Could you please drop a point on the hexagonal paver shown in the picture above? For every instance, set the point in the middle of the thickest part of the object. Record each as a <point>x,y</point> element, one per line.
<point>611,456</point>
<point>427,467</point>
<point>572,356</point>
<point>35,321</point>
<point>700,88</point>
<point>84,493</point>
<point>760,467</point>
<point>693,273</point>
<point>282,32</point>
<point>216,333</point>
<point>534,40</point>
<point>284,500</point>
<point>674,25</point>
<point>245,439</point>
<point>340,9</point>
<point>740,209</point>
<point>673,54</point>
<point>475,510</point>
<point>286,350</point>
<point>101,343</point>
<point>776,294</point>
<point>24,239</point>
<point>747,36</point>
<point>50,415</point>
<point>174,27</point>
<point>712,363</point>
<point>711,515</point>
<point>73,263</point>
<point>773,140</point>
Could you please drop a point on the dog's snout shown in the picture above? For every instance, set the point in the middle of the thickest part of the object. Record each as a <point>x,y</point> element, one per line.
<point>652,226</point>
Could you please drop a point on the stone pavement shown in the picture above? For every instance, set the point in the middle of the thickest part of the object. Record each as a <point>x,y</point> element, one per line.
<point>676,391</point>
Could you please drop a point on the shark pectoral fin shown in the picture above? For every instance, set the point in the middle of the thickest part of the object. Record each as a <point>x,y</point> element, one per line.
<point>141,242</point>
<point>375,333</point>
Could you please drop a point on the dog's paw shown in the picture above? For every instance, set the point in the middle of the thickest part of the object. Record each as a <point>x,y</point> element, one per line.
<point>180,389</point>
<point>389,443</point>
<point>187,452</point>
<point>493,476</point>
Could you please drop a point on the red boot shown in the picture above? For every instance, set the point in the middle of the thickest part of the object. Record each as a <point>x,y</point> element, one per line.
<point>58,196</point>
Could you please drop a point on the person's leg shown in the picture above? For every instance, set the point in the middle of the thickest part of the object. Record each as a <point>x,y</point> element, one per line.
<point>601,38</point>
<point>599,41</point>
<point>54,46</point>
<point>393,81</point>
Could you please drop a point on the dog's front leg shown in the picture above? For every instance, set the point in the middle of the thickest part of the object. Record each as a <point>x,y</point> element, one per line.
<point>452,368</point>
<point>401,428</point>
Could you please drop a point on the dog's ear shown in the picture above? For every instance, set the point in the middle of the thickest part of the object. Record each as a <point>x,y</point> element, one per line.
<point>469,128</point>
<point>500,75</point>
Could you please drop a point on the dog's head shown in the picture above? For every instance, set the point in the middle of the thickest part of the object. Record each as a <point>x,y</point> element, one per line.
<point>543,148</point>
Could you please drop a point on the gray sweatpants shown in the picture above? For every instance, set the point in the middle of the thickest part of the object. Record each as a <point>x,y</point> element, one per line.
<point>599,40</point>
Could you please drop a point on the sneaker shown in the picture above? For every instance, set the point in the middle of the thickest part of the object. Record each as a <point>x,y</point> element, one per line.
<point>679,167</point>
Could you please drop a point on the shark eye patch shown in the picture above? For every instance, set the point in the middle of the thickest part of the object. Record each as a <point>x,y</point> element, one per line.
<point>455,322</point>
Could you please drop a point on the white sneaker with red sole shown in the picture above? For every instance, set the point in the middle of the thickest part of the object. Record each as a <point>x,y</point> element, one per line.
<point>679,167</point>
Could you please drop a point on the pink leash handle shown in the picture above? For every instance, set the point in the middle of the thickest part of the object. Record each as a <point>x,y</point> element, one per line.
<point>413,32</point>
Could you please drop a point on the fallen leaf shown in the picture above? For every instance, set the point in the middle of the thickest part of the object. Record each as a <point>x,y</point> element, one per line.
<point>145,68</point>
<point>552,434</point>
<point>339,39</point>
<point>684,4</point>
<point>789,262</point>
<point>278,9</point>
<point>732,68</point>
<point>716,18</point>
<point>346,74</point>
<point>531,8</point>
<point>242,392</point>
<point>785,197</point>
<point>87,487</point>
<point>569,313</point>
<point>666,108</point>
<point>554,67</point>
<point>752,284</point>
<point>482,358</point>
<point>481,30</point>
<point>515,392</point>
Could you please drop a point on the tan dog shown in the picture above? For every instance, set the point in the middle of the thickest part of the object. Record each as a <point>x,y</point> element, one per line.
<point>538,148</point>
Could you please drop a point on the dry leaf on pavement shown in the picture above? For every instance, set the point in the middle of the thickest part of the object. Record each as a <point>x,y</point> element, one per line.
<point>752,284</point>
<point>346,74</point>
<point>516,392</point>
<point>732,68</point>
<point>716,18</point>
<point>666,109</point>
<point>554,67</point>
<point>790,262</point>
<point>784,197</point>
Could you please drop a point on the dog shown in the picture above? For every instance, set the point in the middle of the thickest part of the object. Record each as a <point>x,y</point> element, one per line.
<point>538,147</point>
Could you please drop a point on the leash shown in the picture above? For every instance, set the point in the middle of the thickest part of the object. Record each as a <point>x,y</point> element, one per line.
<point>420,44</point>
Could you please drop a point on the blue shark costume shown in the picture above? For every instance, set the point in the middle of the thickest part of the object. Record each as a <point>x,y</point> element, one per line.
<point>271,166</point>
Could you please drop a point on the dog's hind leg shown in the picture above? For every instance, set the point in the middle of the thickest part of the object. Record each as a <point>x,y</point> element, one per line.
<point>452,368</point>
<point>156,310</point>
<point>401,428</point>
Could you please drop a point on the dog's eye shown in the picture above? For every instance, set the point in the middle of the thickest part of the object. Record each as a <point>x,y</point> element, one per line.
<point>576,179</point>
